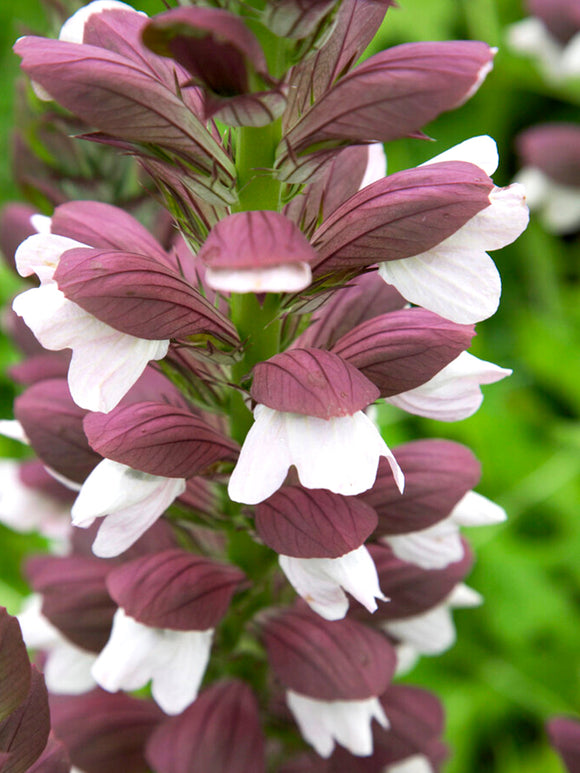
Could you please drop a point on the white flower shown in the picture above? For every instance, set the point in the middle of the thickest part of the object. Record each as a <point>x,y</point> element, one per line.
<point>376,167</point>
<point>286,278</point>
<point>340,454</point>
<point>456,278</point>
<point>67,670</point>
<point>13,429</point>
<point>174,661</point>
<point>23,508</point>
<point>130,502</point>
<point>433,632</point>
<point>418,763</point>
<point>105,362</point>
<point>440,545</point>
<point>322,581</point>
<point>324,723</point>
<point>454,393</point>
<point>556,60</point>
<point>558,205</point>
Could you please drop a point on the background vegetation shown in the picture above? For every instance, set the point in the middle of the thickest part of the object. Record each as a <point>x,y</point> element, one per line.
<point>517,660</point>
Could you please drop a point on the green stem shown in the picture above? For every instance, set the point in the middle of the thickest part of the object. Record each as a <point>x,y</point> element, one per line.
<point>255,155</point>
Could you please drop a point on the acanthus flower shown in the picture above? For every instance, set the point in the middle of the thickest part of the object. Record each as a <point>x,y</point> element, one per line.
<point>105,362</point>
<point>309,415</point>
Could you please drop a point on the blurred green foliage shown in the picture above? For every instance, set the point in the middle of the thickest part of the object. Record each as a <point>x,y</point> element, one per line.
<point>517,660</point>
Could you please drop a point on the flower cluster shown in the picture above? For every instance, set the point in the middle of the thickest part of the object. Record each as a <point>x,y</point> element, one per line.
<point>244,549</point>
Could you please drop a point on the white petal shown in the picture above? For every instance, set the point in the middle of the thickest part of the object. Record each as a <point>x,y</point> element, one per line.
<point>430,633</point>
<point>558,205</point>
<point>432,548</point>
<point>264,459</point>
<point>105,362</point>
<point>481,151</point>
<point>457,279</point>
<point>531,36</point>
<point>322,723</point>
<point>418,763</point>
<point>464,596</point>
<point>38,633</point>
<point>407,657</point>
<point>179,673</point>
<point>461,285</point>
<point>454,393</point>
<point>73,29</point>
<point>561,211</point>
<point>320,581</point>
<point>570,62</point>
<point>27,509</point>
<point>340,454</point>
<point>536,185</point>
<point>130,655</point>
<point>321,594</point>
<point>476,510</point>
<point>41,223</point>
<point>131,502</point>
<point>68,669</point>
<point>135,654</point>
<point>287,278</point>
<point>376,167</point>
<point>40,253</point>
<point>13,429</point>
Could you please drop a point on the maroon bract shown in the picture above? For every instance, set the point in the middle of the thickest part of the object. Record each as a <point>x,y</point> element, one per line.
<point>75,597</point>
<point>401,216</point>
<point>158,439</point>
<point>413,590</point>
<point>34,475</point>
<point>222,56</point>
<point>338,181</point>
<point>312,382</point>
<point>15,226</point>
<point>313,523</point>
<point>165,306</point>
<point>296,18</point>
<point>561,17</point>
<point>103,88</point>
<point>54,758</point>
<point>104,227</point>
<point>403,349</point>
<point>105,732</point>
<point>554,149</point>
<point>54,425</point>
<point>174,590</point>
<point>24,732</point>
<point>438,473</point>
<point>257,251</point>
<point>14,666</point>
<point>214,45</point>
<point>389,96</point>
<point>219,733</point>
<point>328,661</point>
<point>41,367</point>
<point>360,300</point>
<point>357,24</point>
